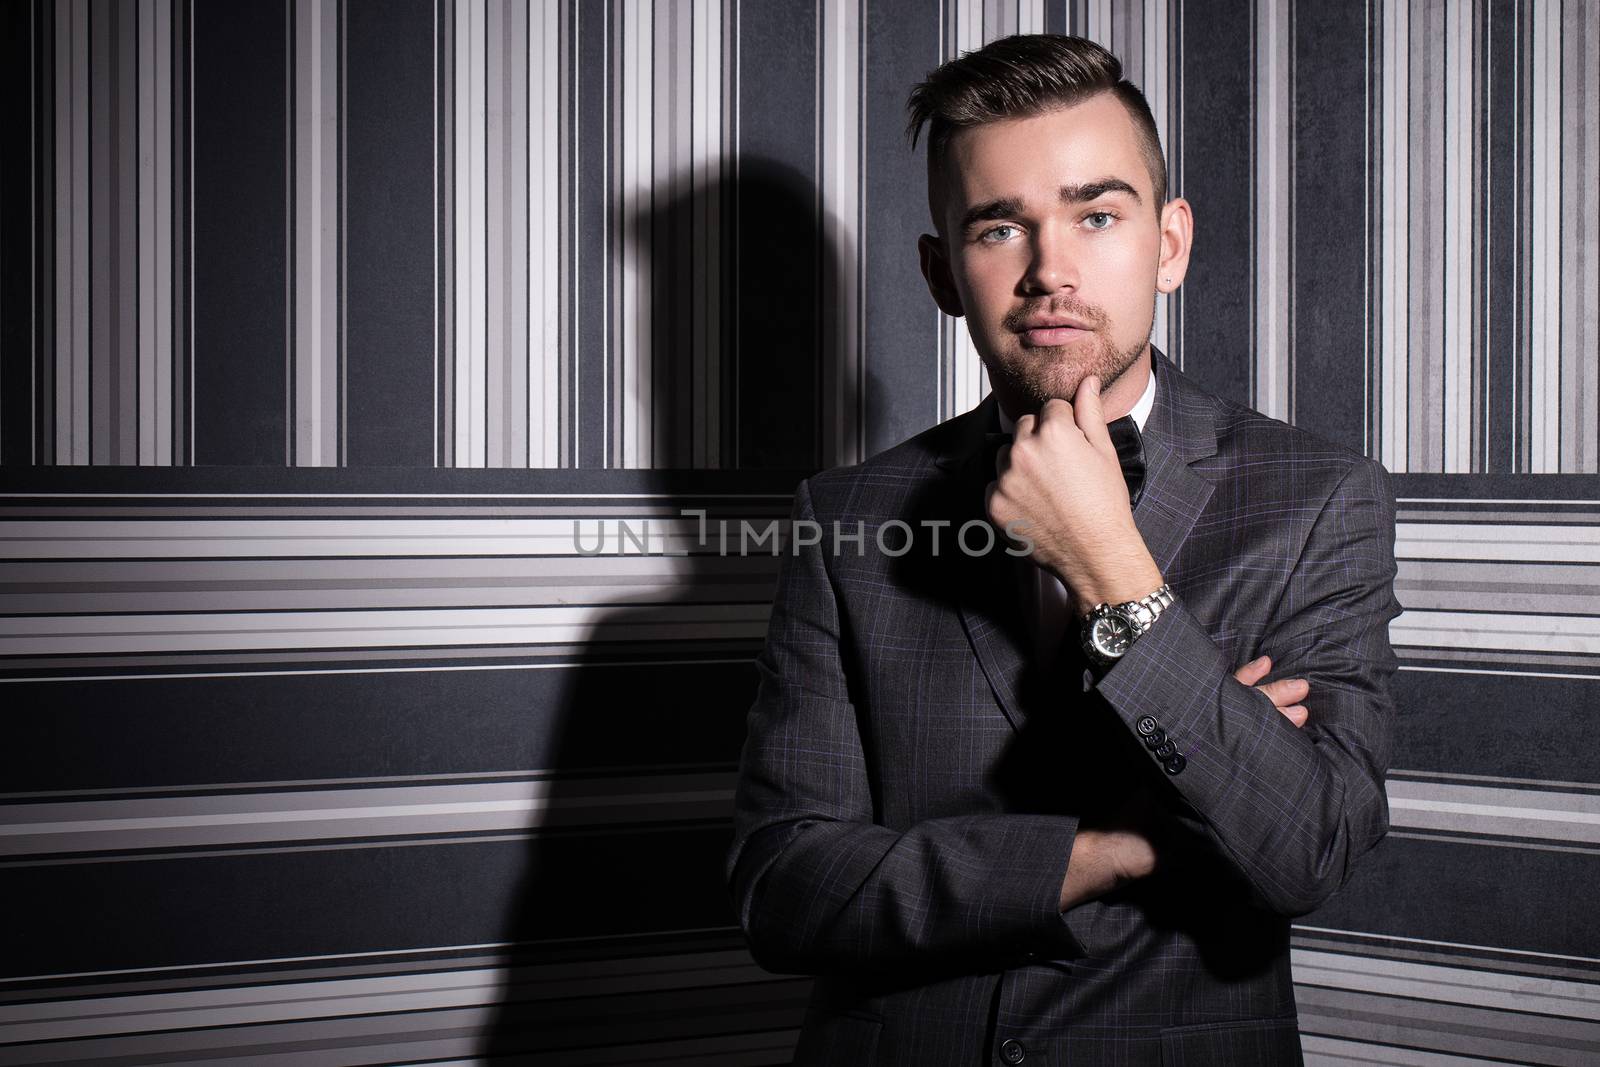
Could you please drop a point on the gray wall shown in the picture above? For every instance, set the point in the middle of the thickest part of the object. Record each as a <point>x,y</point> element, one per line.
<point>321,323</point>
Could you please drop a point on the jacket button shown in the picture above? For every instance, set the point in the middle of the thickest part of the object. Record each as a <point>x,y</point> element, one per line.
<point>1175,764</point>
<point>1011,1050</point>
<point>1155,737</point>
<point>1146,726</point>
<point>1166,749</point>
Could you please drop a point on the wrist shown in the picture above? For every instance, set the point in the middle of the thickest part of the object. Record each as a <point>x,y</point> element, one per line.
<point>1117,589</point>
<point>1107,631</point>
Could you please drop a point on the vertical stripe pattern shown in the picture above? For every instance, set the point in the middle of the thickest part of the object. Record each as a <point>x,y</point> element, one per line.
<point>1578,439</point>
<point>70,406</point>
<point>629,399</point>
<point>471,304</point>
<point>157,336</point>
<point>109,270</point>
<point>316,362</point>
<point>1480,276</point>
<point>550,235</point>
<point>1396,255</point>
<point>1543,251</point>
<point>1271,389</point>
<point>839,206</point>
<point>670,146</point>
<point>1445,180</point>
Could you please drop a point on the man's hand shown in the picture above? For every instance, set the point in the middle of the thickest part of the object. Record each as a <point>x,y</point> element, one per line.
<point>1059,483</point>
<point>1132,830</point>
<point>1284,693</point>
<point>1108,853</point>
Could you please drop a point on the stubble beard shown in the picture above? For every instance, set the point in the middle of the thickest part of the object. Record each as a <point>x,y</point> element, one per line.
<point>1034,375</point>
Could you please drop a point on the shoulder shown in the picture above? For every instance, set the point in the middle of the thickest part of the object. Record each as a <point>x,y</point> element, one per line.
<point>1268,457</point>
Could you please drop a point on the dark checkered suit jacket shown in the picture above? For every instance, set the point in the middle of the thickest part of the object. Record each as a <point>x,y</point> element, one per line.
<point>913,776</point>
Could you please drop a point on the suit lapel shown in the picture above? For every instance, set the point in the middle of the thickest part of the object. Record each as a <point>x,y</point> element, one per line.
<point>1179,431</point>
<point>985,586</point>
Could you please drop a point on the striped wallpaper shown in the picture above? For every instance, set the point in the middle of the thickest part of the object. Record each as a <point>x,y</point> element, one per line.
<point>572,193</point>
<point>1487,264</point>
<point>383,762</point>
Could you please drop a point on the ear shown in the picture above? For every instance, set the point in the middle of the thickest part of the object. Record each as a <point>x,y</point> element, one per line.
<point>936,269</point>
<point>1177,237</point>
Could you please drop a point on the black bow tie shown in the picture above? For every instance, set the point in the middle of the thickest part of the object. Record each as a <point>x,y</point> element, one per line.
<point>1124,434</point>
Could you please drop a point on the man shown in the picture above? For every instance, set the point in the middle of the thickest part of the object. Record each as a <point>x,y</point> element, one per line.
<point>1030,804</point>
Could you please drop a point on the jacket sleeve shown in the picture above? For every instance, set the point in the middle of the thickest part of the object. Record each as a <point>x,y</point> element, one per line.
<point>1291,809</point>
<point>817,885</point>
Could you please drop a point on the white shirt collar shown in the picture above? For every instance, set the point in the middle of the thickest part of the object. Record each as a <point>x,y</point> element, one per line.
<point>1140,412</point>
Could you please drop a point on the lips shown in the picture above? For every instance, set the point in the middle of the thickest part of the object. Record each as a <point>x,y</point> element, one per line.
<point>1052,330</point>
<point>1046,322</point>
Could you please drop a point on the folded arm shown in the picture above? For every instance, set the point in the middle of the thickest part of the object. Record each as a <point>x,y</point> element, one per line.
<point>1291,809</point>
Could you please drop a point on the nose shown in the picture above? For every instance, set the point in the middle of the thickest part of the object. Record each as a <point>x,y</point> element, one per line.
<point>1053,266</point>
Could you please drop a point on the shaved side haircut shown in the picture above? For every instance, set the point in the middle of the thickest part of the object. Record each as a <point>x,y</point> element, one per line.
<point>1019,77</point>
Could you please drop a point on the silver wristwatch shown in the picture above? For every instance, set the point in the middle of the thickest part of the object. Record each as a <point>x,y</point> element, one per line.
<point>1109,630</point>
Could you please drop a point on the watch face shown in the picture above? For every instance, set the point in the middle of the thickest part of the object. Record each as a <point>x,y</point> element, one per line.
<point>1111,635</point>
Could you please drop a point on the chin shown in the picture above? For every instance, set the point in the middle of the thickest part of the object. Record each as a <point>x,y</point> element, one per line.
<point>1035,375</point>
<point>1036,384</point>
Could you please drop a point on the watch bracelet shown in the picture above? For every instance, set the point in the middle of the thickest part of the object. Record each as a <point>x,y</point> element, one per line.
<point>1142,613</point>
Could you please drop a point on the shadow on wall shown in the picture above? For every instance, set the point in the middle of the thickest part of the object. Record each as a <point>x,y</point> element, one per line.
<point>634,878</point>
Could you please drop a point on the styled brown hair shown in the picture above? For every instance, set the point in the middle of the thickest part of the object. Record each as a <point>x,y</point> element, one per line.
<point>1018,77</point>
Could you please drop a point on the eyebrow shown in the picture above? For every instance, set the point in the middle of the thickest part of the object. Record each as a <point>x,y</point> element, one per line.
<point>1007,206</point>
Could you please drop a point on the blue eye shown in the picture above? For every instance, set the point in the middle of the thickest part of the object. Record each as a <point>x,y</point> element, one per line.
<point>1100,215</point>
<point>988,235</point>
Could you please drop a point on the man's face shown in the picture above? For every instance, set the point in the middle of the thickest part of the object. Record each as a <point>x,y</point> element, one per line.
<point>1052,249</point>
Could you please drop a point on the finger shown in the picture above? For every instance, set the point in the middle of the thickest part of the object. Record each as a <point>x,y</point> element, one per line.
<point>1286,690</point>
<point>1090,414</point>
<point>1002,458</point>
<point>1296,713</point>
<point>1254,671</point>
<point>1053,408</point>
